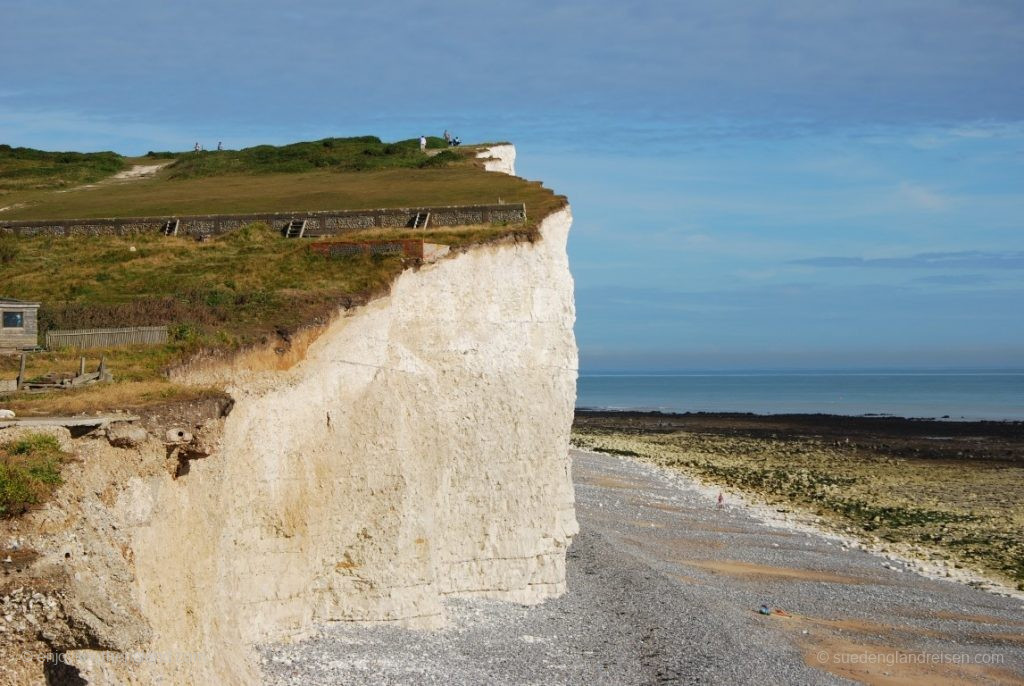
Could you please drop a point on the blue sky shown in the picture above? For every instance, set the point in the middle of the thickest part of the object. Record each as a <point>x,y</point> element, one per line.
<point>755,184</point>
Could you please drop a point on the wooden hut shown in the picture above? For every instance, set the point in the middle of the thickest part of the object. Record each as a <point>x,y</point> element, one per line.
<point>19,325</point>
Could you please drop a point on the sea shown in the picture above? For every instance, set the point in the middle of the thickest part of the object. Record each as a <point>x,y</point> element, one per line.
<point>956,395</point>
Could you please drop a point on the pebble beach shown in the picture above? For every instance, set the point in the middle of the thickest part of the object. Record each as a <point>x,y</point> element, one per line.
<point>668,586</point>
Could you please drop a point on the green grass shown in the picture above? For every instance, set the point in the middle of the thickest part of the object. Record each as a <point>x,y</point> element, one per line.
<point>242,288</point>
<point>355,173</point>
<point>240,194</point>
<point>251,286</point>
<point>24,169</point>
<point>248,288</point>
<point>323,190</point>
<point>27,169</point>
<point>245,274</point>
<point>10,248</point>
<point>29,472</point>
<point>233,290</point>
<point>363,153</point>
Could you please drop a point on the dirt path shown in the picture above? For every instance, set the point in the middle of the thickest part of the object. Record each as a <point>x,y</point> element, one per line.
<point>138,172</point>
<point>665,587</point>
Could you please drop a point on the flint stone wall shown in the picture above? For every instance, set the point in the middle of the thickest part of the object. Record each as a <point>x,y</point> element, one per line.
<point>323,223</point>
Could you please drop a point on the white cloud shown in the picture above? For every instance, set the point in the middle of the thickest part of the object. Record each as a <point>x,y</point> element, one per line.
<point>934,138</point>
<point>922,198</point>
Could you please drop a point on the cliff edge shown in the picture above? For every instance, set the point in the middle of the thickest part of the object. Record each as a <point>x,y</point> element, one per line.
<point>418,449</point>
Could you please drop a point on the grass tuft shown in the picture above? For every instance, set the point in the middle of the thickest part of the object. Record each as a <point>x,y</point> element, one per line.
<point>29,472</point>
<point>9,249</point>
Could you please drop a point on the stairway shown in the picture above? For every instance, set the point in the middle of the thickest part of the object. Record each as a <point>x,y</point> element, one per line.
<point>296,229</point>
<point>421,220</point>
<point>171,227</point>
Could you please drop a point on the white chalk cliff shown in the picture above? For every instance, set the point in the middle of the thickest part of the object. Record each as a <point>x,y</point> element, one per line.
<point>419,449</point>
<point>499,158</point>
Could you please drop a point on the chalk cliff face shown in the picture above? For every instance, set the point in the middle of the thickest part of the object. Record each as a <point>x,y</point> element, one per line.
<point>419,449</point>
<point>499,158</point>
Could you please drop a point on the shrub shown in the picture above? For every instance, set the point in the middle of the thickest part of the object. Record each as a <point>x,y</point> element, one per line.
<point>9,249</point>
<point>33,444</point>
<point>440,159</point>
<point>361,153</point>
<point>255,232</point>
<point>22,168</point>
<point>217,297</point>
<point>184,333</point>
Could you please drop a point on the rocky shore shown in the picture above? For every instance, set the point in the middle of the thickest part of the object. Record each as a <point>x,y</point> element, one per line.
<point>948,495</point>
<point>666,587</point>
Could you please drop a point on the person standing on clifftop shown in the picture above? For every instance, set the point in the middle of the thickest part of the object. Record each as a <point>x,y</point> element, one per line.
<point>447,137</point>
<point>423,143</point>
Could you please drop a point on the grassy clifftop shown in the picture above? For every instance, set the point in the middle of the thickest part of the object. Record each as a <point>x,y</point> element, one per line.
<point>248,287</point>
<point>361,153</point>
<point>330,174</point>
<point>25,169</point>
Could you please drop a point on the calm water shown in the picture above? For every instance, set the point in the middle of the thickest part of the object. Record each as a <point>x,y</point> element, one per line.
<point>960,395</point>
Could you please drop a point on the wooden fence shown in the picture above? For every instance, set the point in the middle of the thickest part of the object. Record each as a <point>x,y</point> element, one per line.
<point>85,339</point>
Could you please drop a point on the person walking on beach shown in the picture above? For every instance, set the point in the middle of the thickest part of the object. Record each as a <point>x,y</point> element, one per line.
<point>423,143</point>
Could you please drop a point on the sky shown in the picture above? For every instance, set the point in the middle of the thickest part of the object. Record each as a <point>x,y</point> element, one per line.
<point>770,185</point>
